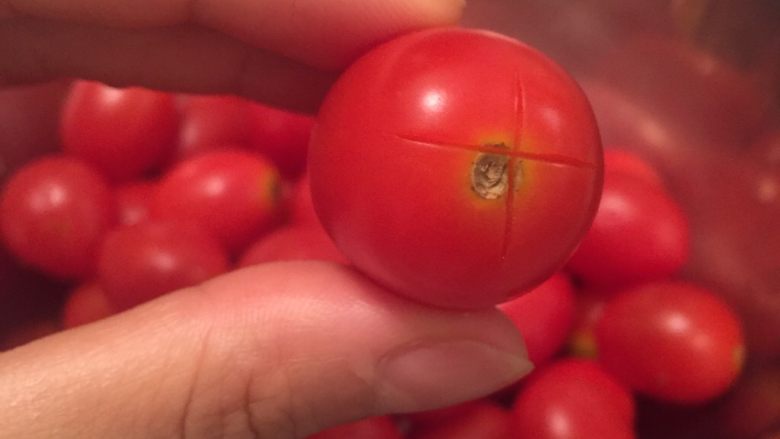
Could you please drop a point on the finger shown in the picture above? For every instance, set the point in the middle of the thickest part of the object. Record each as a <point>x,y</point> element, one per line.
<point>264,352</point>
<point>182,58</point>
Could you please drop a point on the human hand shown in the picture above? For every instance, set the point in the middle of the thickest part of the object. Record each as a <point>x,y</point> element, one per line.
<point>281,350</point>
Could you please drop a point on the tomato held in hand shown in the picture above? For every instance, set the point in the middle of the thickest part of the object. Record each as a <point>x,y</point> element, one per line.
<point>123,132</point>
<point>54,212</point>
<point>455,166</point>
<point>673,341</point>
<point>573,399</point>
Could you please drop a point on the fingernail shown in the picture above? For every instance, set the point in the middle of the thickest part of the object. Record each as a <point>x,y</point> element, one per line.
<point>435,375</point>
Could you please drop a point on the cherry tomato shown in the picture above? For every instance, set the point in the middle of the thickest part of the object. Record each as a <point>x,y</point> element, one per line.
<point>431,418</point>
<point>134,201</point>
<point>209,122</point>
<point>54,212</point>
<point>86,304</point>
<point>124,132</point>
<point>140,262</point>
<point>481,421</point>
<point>573,399</point>
<point>379,427</point>
<point>673,341</point>
<point>640,233</point>
<point>293,243</point>
<point>582,341</point>
<point>233,194</point>
<point>301,205</point>
<point>282,136</point>
<point>544,317</point>
<point>625,162</point>
<point>445,189</point>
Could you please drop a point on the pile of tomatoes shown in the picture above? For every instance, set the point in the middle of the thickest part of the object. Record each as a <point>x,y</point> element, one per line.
<point>154,192</point>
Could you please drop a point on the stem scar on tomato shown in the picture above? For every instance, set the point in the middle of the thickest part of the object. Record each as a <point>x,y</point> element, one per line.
<point>490,176</point>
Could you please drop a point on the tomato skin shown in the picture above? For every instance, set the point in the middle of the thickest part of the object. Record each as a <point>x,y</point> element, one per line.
<point>140,262</point>
<point>293,243</point>
<point>123,132</point>
<point>134,201</point>
<point>209,122</point>
<point>484,420</point>
<point>378,427</point>
<point>231,193</point>
<point>639,234</point>
<point>396,145</point>
<point>573,399</point>
<point>301,206</point>
<point>625,162</point>
<point>86,304</point>
<point>544,317</point>
<point>54,212</point>
<point>673,341</point>
<point>282,136</point>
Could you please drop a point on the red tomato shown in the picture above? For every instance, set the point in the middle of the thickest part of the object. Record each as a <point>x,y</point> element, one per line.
<point>301,205</point>
<point>673,341</point>
<point>544,317</point>
<point>209,122</point>
<point>28,332</point>
<point>134,201</point>
<point>482,421</point>
<point>431,418</point>
<point>444,189</point>
<point>140,262</point>
<point>54,212</point>
<point>573,399</point>
<point>86,304</point>
<point>582,342</point>
<point>281,136</point>
<point>124,132</point>
<point>379,427</point>
<point>293,243</point>
<point>640,233</point>
<point>628,163</point>
<point>233,194</point>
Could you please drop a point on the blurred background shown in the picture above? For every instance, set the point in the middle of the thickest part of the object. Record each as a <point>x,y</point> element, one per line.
<point>692,85</point>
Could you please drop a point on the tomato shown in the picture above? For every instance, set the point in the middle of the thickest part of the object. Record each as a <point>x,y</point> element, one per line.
<point>124,132</point>
<point>282,136</point>
<point>54,212</point>
<point>673,341</point>
<point>233,194</point>
<point>582,341</point>
<point>28,332</point>
<point>544,317</point>
<point>134,201</point>
<point>379,427</point>
<point>301,206</point>
<point>293,243</point>
<point>481,421</point>
<point>208,122</point>
<point>640,233</point>
<point>445,189</point>
<point>86,304</point>
<point>432,418</point>
<point>141,262</point>
<point>629,163</point>
<point>573,399</point>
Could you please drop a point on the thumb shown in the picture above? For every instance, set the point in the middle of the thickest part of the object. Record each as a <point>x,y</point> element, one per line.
<point>281,350</point>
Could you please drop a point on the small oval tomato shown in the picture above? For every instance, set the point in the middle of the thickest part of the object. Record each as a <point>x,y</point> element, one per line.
<point>483,420</point>
<point>123,132</point>
<point>673,341</point>
<point>233,194</point>
<point>301,206</point>
<point>141,262</point>
<point>378,427</point>
<point>625,162</point>
<point>134,201</point>
<point>573,399</point>
<point>544,317</point>
<point>293,243</point>
<point>54,212</point>
<point>282,136</point>
<point>209,122</point>
<point>86,304</point>
<point>447,190</point>
<point>639,234</point>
